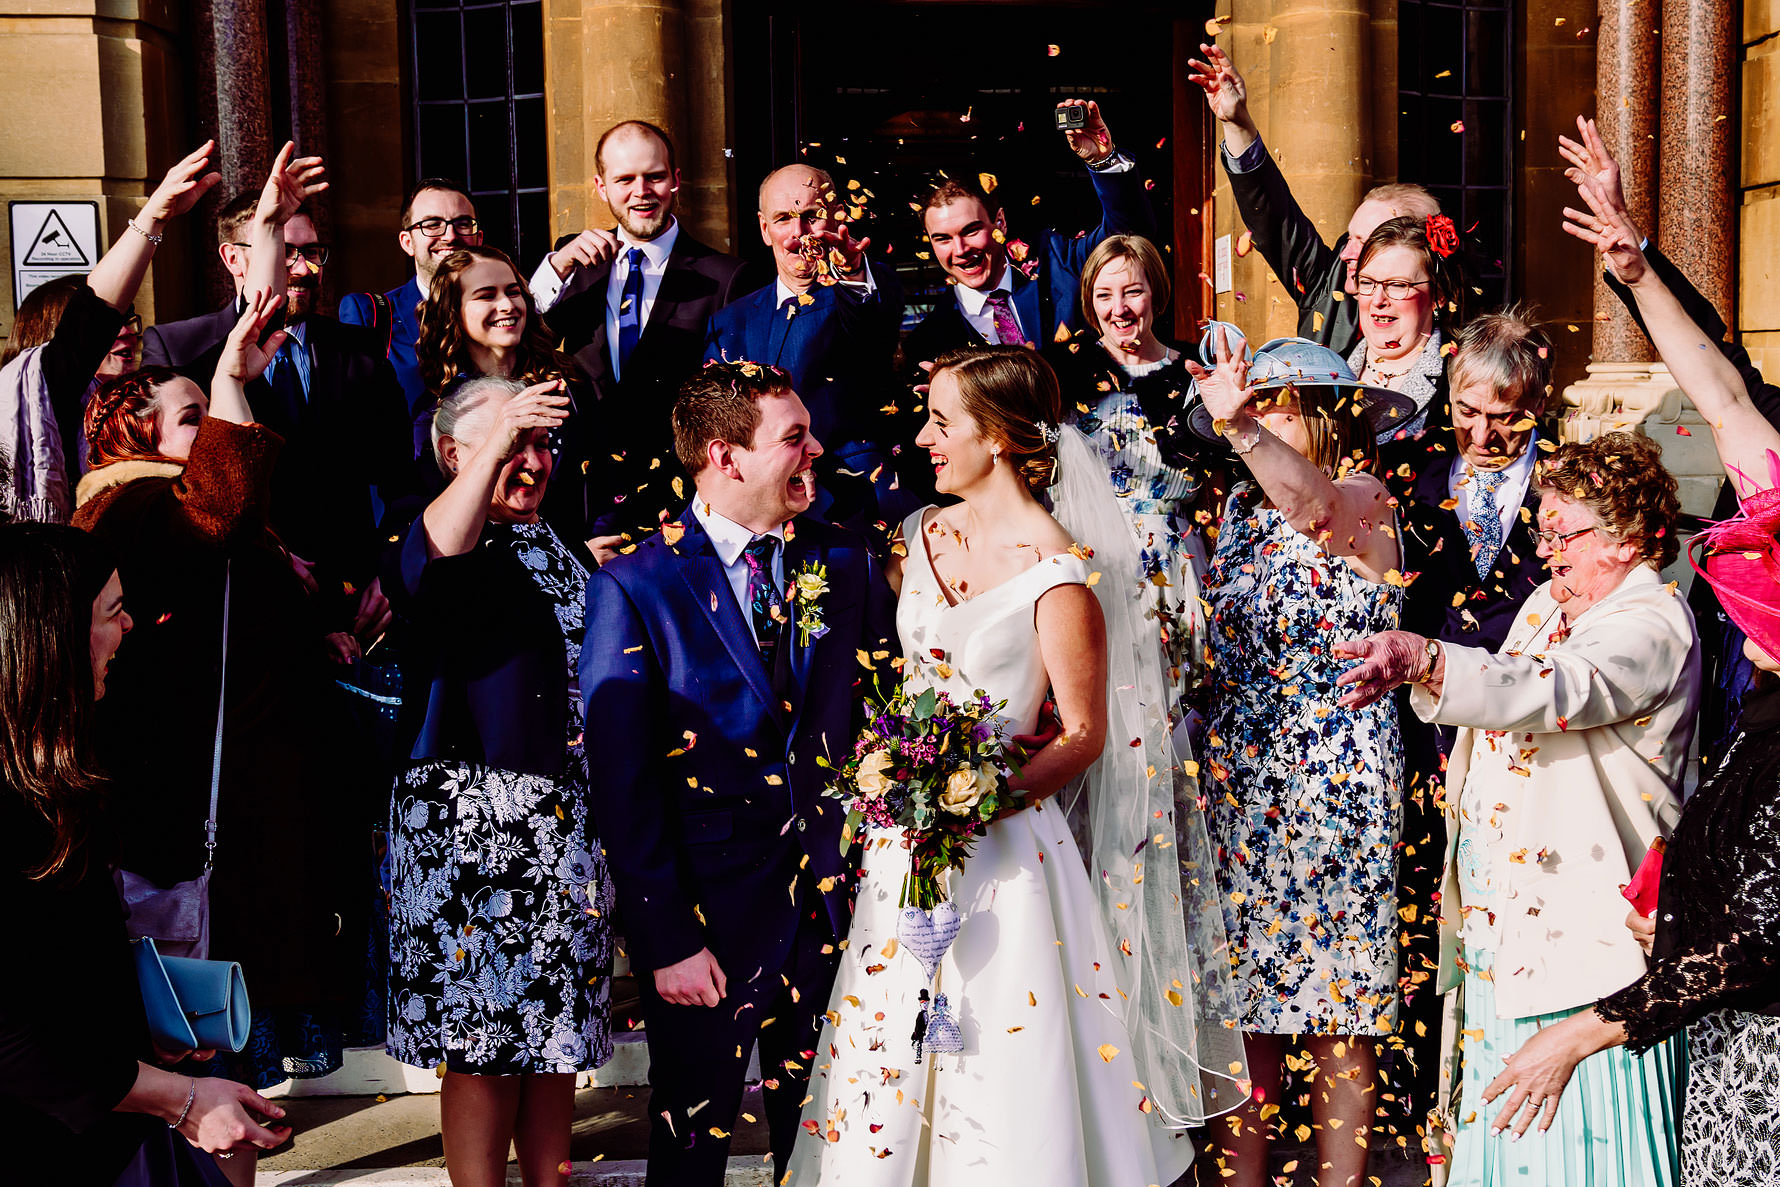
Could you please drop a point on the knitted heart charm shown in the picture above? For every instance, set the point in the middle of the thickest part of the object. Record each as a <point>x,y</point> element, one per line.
<point>943,1035</point>
<point>927,934</point>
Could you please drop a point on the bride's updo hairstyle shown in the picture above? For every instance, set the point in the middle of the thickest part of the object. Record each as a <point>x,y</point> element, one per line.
<point>1013,395</point>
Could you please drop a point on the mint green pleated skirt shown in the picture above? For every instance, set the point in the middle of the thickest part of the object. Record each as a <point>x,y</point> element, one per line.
<point>1618,1124</point>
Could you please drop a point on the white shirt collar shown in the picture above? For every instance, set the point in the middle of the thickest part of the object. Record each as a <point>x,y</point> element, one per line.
<point>728,537</point>
<point>1516,471</point>
<point>657,249</point>
<point>973,300</point>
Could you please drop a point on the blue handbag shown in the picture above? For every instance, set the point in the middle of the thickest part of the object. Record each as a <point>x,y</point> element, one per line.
<point>192,1004</point>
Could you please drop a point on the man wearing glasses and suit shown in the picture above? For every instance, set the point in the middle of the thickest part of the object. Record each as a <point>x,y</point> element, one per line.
<point>437,219</point>
<point>331,395</point>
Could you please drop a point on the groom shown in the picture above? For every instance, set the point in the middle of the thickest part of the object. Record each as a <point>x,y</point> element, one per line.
<point>711,695</point>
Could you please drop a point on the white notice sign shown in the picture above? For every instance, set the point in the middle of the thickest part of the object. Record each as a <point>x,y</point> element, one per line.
<point>1220,268</point>
<point>51,239</point>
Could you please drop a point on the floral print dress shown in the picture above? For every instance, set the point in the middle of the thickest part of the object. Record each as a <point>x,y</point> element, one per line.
<point>1158,496</point>
<point>1305,796</point>
<point>500,921</point>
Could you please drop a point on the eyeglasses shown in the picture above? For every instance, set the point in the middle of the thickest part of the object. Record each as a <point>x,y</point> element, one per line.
<point>314,254</point>
<point>434,227</point>
<point>1554,539</point>
<point>1396,290</point>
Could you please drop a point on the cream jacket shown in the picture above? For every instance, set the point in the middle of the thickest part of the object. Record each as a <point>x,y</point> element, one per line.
<point>1599,725</point>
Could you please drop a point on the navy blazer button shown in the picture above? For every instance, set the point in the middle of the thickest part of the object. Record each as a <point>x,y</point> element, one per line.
<point>802,825</point>
<point>792,758</point>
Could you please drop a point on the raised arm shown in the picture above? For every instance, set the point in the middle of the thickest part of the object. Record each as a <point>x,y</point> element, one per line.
<point>1285,236</point>
<point>1741,433</point>
<point>1350,517</point>
<point>291,183</point>
<point>454,520</point>
<point>119,272</point>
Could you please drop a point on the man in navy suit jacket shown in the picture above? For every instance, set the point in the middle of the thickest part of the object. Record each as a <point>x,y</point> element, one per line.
<point>631,306</point>
<point>830,319</point>
<point>1000,300</point>
<point>437,219</point>
<point>711,716</point>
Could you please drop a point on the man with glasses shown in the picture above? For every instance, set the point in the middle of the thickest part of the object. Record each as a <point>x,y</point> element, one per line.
<point>1317,276</point>
<point>329,392</point>
<point>437,219</point>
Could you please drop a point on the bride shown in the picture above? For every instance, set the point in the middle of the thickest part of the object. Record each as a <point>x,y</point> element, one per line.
<point>1088,1005</point>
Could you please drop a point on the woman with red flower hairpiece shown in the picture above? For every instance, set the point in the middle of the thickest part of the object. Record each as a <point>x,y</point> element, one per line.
<point>1410,291</point>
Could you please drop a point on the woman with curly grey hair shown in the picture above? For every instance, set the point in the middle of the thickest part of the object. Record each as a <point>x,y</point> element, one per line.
<point>1566,769</point>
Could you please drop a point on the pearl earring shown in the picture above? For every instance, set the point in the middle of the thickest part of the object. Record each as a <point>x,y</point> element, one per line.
<point>995,455</point>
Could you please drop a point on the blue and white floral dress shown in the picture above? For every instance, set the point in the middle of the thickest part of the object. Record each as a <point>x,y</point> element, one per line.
<point>500,919</point>
<point>1306,796</point>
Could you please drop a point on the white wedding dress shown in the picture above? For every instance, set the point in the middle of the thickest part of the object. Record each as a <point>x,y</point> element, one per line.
<point>1045,1090</point>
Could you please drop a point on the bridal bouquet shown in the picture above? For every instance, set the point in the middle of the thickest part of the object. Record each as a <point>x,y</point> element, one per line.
<point>937,770</point>
<point>934,768</point>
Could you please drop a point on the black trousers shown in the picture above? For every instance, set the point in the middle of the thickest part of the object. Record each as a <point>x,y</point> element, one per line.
<point>698,1057</point>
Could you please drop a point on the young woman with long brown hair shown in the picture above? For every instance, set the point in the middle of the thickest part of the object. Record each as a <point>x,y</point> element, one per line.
<point>479,319</point>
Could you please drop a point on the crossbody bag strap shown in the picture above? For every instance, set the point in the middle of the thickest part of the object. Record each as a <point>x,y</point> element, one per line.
<point>222,700</point>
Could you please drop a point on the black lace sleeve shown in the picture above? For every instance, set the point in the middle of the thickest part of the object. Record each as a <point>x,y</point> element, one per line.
<point>1728,922</point>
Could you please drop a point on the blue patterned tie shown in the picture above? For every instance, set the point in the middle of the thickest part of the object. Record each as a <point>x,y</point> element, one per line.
<point>1484,527</point>
<point>766,602</point>
<point>630,308</point>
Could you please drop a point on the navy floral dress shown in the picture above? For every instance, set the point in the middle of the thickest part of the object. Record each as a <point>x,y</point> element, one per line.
<point>1305,796</point>
<point>500,918</point>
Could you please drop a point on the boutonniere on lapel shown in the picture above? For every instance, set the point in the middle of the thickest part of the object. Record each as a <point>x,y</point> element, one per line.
<point>808,585</point>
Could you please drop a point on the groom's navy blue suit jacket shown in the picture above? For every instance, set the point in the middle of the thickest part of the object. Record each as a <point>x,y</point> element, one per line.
<point>707,793</point>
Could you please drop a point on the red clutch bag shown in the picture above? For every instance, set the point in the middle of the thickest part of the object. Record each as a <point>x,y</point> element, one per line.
<point>1641,891</point>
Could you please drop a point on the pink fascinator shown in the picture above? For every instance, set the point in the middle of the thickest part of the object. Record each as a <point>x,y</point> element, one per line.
<point>1742,563</point>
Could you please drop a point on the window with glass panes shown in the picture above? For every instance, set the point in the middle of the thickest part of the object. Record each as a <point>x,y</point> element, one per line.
<point>479,113</point>
<point>1455,124</point>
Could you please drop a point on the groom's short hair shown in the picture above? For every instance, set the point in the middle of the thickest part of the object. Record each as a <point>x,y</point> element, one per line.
<point>722,403</point>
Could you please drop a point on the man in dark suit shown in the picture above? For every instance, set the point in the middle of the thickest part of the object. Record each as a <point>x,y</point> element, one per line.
<point>1317,276</point>
<point>329,392</point>
<point>718,703</point>
<point>1005,292</point>
<point>830,320</point>
<point>1468,532</point>
<point>631,306</point>
<point>437,219</point>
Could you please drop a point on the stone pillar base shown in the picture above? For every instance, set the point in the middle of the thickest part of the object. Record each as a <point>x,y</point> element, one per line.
<point>1643,398</point>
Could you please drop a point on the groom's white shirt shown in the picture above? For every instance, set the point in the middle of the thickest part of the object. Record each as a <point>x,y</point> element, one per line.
<point>730,539</point>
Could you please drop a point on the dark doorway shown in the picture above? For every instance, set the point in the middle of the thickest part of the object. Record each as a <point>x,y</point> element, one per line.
<point>898,92</point>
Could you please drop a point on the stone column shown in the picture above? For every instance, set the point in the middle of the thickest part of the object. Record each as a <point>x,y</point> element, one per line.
<point>1696,214</point>
<point>1626,112</point>
<point>656,60</point>
<point>235,108</point>
<point>1317,121</point>
<point>1693,207</point>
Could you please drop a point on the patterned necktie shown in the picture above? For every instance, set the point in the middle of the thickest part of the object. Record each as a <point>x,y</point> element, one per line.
<point>1484,527</point>
<point>287,379</point>
<point>630,308</point>
<point>766,602</point>
<point>1007,330</point>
